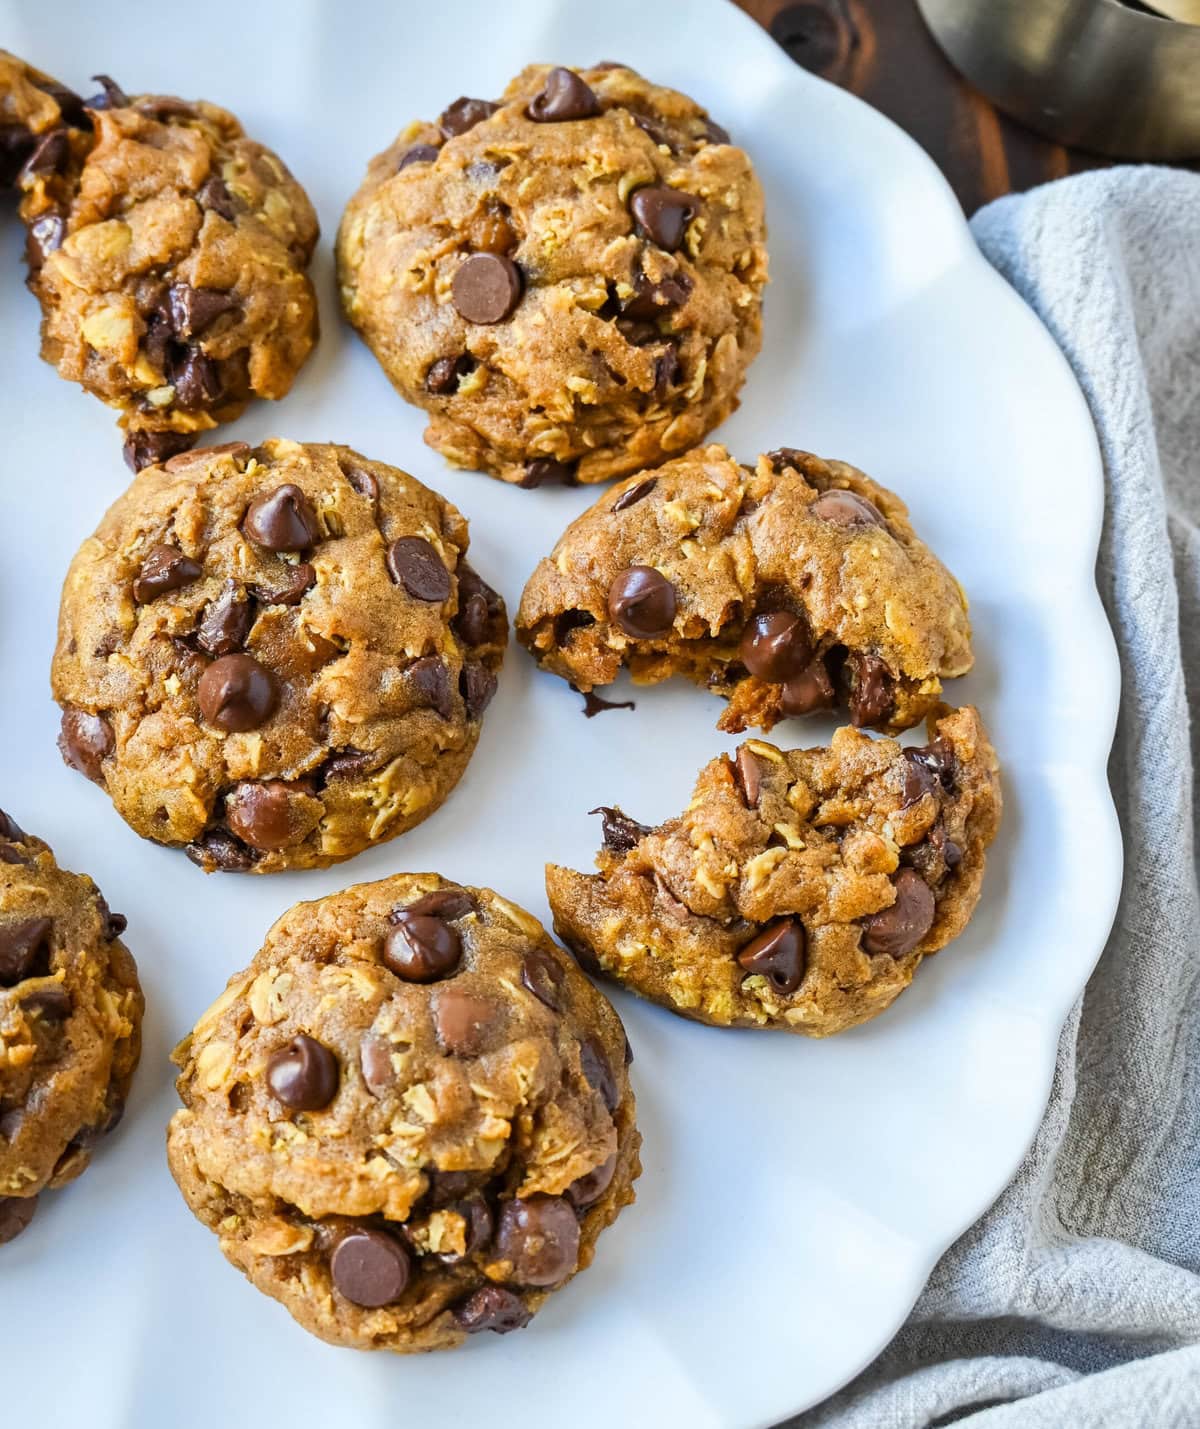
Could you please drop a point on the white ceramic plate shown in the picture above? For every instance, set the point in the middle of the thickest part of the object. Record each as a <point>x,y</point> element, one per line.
<point>796,1193</point>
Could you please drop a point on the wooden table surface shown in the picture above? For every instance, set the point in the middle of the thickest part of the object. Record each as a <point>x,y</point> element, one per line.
<point>881,51</point>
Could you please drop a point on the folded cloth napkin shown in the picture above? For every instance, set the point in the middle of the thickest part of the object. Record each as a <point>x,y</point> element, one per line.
<point>1075,1302</point>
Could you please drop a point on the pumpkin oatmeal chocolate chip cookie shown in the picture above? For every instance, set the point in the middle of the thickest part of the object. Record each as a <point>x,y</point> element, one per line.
<point>569,280</point>
<point>70,1023</point>
<point>794,587</point>
<point>800,889</point>
<point>409,1118</point>
<point>276,656</point>
<point>168,252</point>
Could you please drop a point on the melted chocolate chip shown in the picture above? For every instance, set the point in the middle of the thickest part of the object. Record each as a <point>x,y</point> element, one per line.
<point>871,689</point>
<point>491,1307</point>
<point>566,622</point>
<point>50,153</point>
<point>539,1237</point>
<point>85,741</point>
<point>594,704</point>
<point>24,949</point>
<point>778,954</point>
<point>16,1212</point>
<point>303,1075</point>
<point>282,520</point>
<point>417,154</point>
<point>775,646</point>
<point>226,622</point>
<point>621,833</point>
<point>599,1073</point>
<point>463,1022</point>
<point>348,763</point>
<point>542,976</point>
<point>747,774</point>
<point>370,1268</point>
<point>464,114</point>
<point>642,603</point>
<point>421,947</point>
<point>587,1189</point>
<point>545,471</point>
<point>292,586</point>
<point>808,691</point>
<point>846,508</point>
<point>651,300</point>
<point>196,379</point>
<point>375,1062</point>
<point>667,370</point>
<point>217,850</point>
<point>165,569</point>
<point>486,288</point>
<point>216,198</point>
<point>144,449</point>
<point>236,694</point>
<point>662,214</point>
<point>430,682</point>
<point>634,494</point>
<point>194,310</point>
<point>260,814</point>
<point>477,604</point>
<point>897,930</point>
<point>365,482</point>
<point>563,96</point>
<point>478,685</point>
<point>413,563</point>
<point>445,903</point>
<point>444,374</point>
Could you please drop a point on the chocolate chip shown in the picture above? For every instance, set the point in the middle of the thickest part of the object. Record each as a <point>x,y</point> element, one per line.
<point>430,682</point>
<point>375,1061</point>
<point>226,622</point>
<point>363,481</point>
<point>445,903</point>
<point>114,923</point>
<point>870,690</point>
<point>478,1231</point>
<point>259,814</point>
<point>293,585</point>
<point>444,374</point>
<point>486,288</point>
<point>747,773</point>
<point>16,145</point>
<point>348,763</point>
<point>897,930</point>
<point>236,693</point>
<point>477,603</point>
<point>144,449</point>
<point>542,976</point>
<point>566,622</point>
<point>491,1307</point>
<point>413,563</point>
<point>621,833</point>
<point>50,153</point>
<point>165,106</point>
<point>282,520</point>
<point>775,646</point>
<point>17,1211</point>
<point>53,1003</point>
<point>662,214</point>
<point>417,154</point>
<point>196,379</point>
<point>545,471</point>
<point>370,1268</point>
<point>791,457</point>
<point>446,1187</point>
<point>463,1021</point>
<point>658,130</point>
<point>563,96</point>
<point>641,601</point>
<point>304,1074</point>
<point>44,236</point>
<point>934,857</point>
<point>846,508</point>
<point>634,494</point>
<point>808,691</point>
<point>651,300</point>
<point>24,949</point>
<point>587,1189</point>
<point>214,196</point>
<point>477,684</point>
<point>166,568</point>
<point>539,1237</point>
<point>938,758</point>
<point>206,454</point>
<point>193,310</point>
<point>421,947</point>
<point>10,829</point>
<point>594,704</point>
<point>218,851</point>
<point>919,778</point>
<point>464,114</point>
<point>715,133</point>
<point>778,954</point>
<point>598,1072</point>
<point>667,370</point>
<point>85,741</point>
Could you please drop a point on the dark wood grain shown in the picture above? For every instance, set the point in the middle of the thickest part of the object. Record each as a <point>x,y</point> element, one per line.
<point>882,51</point>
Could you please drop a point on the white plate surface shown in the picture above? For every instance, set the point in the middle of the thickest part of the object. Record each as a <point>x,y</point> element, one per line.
<point>796,1193</point>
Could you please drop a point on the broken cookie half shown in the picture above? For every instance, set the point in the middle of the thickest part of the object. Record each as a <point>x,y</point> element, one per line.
<point>795,587</point>
<point>800,889</point>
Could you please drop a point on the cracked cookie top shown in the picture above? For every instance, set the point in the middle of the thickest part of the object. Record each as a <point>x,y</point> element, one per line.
<point>794,587</point>
<point>168,252</point>
<point>409,1118</point>
<point>568,280</point>
<point>800,888</point>
<point>275,656</point>
<point>70,1023</point>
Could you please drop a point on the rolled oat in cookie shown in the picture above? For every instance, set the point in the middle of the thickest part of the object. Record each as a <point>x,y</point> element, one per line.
<point>168,252</point>
<point>569,280</point>
<point>70,1023</point>
<point>800,889</point>
<point>795,587</point>
<point>410,1118</point>
<point>275,656</point>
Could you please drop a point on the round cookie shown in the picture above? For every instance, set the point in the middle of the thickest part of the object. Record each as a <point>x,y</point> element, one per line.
<point>795,587</point>
<point>70,1023</point>
<point>801,888</point>
<point>168,253</point>
<point>409,1118</point>
<point>33,106</point>
<point>276,656</point>
<point>569,281</point>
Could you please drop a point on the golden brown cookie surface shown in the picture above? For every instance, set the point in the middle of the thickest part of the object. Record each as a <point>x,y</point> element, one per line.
<point>168,251</point>
<point>70,1023</point>
<point>801,888</point>
<point>276,656</point>
<point>795,587</point>
<point>409,1118</point>
<point>568,281</point>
